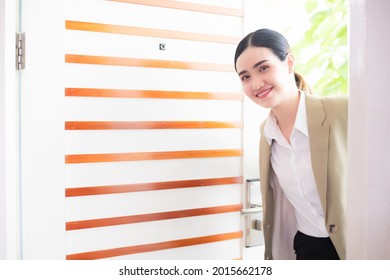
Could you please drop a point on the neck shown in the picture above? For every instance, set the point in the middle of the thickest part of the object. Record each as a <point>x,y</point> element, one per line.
<point>286,113</point>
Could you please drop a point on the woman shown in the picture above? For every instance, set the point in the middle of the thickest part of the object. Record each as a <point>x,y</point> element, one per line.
<point>303,153</point>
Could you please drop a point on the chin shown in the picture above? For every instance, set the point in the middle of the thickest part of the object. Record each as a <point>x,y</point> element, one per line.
<point>263,104</point>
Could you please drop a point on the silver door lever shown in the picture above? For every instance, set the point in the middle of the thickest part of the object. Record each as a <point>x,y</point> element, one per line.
<point>253,210</point>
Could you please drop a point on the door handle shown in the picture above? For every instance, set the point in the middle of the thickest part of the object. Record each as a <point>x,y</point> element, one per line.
<point>252,214</point>
<point>253,210</point>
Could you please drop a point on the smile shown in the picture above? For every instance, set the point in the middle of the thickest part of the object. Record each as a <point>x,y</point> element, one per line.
<point>264,93</point>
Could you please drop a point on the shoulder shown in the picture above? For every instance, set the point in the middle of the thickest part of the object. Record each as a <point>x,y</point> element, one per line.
<point>336,108</point>
<point>339,101</point>
<point>336,105</point>
<point>333,108</point>
<point>329,103</point>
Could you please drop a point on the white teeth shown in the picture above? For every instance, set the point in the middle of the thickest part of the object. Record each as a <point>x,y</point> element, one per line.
<point>264,93</point>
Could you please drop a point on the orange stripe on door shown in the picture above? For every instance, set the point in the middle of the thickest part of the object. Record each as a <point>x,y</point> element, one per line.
<point>105,222</point>
<point>94,125</point>
<point>153,63</point>
<point>187,6</point>
<point>125,93</point>
<point>152,186</point>
<point>149,32</point>
<point>110,253</point>
<point>117,157</point>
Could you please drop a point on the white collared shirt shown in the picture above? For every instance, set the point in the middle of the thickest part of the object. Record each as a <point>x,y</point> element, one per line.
<point>291,164</point>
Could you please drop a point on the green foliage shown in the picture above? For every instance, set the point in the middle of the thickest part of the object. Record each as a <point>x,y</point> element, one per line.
<point>323,51</point>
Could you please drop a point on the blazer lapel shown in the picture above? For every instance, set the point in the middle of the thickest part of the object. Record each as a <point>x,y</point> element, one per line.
<point>319,138</point>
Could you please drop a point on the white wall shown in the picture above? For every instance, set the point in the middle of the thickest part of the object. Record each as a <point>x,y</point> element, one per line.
<point>2,136</point>
<point>8,137</point>
<point>369,130</point>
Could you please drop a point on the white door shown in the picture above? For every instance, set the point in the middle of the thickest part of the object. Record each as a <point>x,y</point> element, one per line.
<point>131,130</point>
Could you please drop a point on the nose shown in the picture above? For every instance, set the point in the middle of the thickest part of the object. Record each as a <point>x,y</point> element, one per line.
<point>257,84</point>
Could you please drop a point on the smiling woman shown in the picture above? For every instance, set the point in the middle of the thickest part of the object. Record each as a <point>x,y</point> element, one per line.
<point>264,62</point>
<point>303,212</point>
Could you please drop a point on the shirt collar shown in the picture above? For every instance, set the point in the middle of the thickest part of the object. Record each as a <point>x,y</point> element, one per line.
<point>270,128</point>
<point>271,125</point>
<point>301,118</point>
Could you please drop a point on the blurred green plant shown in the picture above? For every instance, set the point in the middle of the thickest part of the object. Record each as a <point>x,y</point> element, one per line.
<point>323,51</point>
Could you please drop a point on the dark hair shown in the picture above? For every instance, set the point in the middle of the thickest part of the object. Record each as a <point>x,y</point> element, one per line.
<point>274,41</point>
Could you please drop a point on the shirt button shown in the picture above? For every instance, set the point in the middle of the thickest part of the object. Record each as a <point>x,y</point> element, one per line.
<point>332,228</point>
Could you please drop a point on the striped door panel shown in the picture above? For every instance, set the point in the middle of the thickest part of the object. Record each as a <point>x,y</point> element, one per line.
<point>153,130</point>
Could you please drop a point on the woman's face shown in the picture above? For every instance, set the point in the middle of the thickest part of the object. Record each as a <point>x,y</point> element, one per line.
<point>266,79</point>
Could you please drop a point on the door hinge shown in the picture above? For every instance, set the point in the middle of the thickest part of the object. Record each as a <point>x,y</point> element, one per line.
<point>20,51</point>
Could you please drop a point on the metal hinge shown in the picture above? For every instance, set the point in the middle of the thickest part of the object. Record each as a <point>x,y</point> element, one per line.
<point>20,51</point>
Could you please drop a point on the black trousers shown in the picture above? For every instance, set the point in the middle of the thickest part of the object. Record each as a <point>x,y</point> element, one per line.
<point>314,248</point>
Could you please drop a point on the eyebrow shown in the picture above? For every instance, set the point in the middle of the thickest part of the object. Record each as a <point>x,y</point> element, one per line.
<point>254,66</point>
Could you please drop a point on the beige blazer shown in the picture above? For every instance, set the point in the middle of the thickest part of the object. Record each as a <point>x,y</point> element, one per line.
<point>327,119</point>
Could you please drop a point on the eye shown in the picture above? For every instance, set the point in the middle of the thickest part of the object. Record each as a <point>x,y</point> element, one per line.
<point>263,68</point>
<point>244,77</point>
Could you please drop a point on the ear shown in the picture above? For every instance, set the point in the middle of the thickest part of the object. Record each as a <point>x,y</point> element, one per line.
<point>290,59</point>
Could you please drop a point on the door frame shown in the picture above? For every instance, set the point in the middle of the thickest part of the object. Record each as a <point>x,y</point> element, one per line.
<point>9,171</point>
